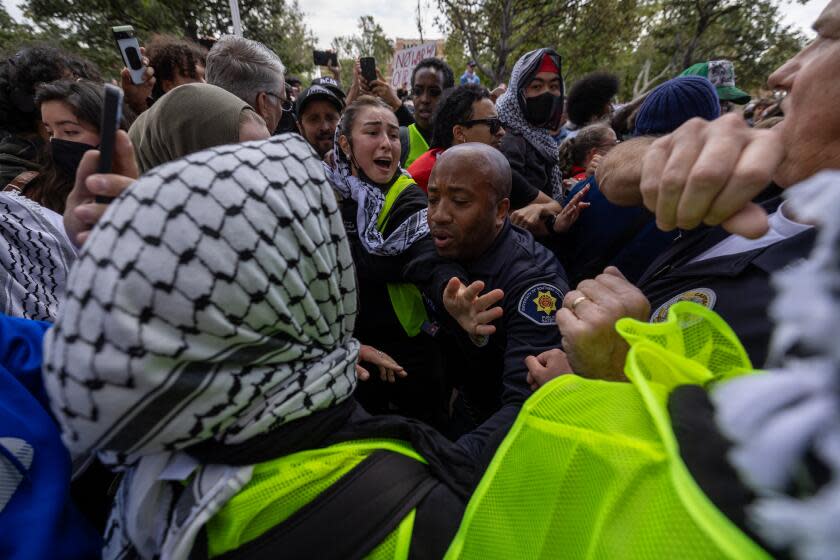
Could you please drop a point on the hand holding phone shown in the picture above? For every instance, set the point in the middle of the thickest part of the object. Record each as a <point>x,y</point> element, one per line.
<point>130,50</point>
<point>111,117</point>
<point>368,67</point>
<point>325,58</point>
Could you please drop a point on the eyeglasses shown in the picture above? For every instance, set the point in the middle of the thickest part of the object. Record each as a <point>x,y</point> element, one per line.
<point>417,91</point>
<point>285,104</point>
<point>494,123</point>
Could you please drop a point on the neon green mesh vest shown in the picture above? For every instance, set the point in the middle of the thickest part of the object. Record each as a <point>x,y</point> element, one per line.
<point>405,298</point>
<point>591,469</point>
<point>280,487</point>
<point>417,145</point>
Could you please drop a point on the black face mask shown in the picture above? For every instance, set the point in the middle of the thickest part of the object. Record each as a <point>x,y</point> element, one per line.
<point>544,110</point>
<point>68,155</point>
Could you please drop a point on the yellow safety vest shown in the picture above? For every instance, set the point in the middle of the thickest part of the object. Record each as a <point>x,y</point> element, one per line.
<point>405,298</point>
<point>591,469</point>
<point>280,487</point>
<point>417,145</point>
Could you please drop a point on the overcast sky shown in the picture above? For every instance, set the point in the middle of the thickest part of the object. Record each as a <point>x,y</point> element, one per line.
<point>329,18</point>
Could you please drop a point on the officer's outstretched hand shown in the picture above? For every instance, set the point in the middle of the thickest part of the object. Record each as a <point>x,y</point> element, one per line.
<point>708,172</point>
<point>545,367</point>
<point>389,370</point>
<point>82,211</point>
<point>473,312</point>
<point>587,323</point>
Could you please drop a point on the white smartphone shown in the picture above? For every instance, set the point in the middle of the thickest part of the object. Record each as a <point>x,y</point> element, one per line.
<point>130,51</point>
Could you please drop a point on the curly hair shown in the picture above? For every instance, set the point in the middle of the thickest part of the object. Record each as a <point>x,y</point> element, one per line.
<point>169,56</point>
<point>589,95</point>
<point>439,66</point>
<point>23,71</point>
<point>573,151</point>
<point>455,107</point>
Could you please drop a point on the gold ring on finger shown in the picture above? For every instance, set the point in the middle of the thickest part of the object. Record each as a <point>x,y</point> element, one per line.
<point>578,301</point>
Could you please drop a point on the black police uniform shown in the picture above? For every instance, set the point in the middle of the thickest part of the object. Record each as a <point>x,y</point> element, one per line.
<point>491,378</point>
<point>737,286</point>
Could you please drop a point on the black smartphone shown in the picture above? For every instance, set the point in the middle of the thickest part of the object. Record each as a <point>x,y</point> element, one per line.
<point>130,50</point>
<point>111,117</point>
<point>368,64</point>
<point>325,58</point>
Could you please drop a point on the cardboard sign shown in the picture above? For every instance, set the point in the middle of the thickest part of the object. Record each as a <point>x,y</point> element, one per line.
<point>406,59</point>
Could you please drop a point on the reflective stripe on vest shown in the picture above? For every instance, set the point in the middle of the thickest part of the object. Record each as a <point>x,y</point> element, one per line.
<point>280,487</point>
<point>417,145</point>
<point>406,299</point>
<point>591,469</point>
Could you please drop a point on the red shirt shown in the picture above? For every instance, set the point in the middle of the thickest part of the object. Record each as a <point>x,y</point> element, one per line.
<point>421,169</point>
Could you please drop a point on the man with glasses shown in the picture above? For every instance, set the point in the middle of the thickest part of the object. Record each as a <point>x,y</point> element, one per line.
<point>252,72</point>
<point>429,79</point>
<point>465,114</point>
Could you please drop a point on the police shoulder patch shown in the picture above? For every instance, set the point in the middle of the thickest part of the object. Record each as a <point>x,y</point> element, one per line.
<point>704,296</point>
<point>540,302</point>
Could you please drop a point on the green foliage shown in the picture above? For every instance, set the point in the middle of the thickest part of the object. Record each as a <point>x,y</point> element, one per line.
<point>12,34</point>
<point>85,25</point>
<point>643,41</point>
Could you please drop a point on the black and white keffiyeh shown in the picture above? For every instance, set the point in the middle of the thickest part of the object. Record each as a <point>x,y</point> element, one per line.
<point>36,256</point>
<point>778,419</point>
<point>370,200</point>
<point>511,115</point>
<point>215,300</point>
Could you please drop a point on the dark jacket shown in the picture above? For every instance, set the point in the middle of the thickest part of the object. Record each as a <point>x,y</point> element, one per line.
<point>531,170</point>
<point>735,286</point>
<point>606,234</point>
<point>492,380</point>
<point>16,156</point>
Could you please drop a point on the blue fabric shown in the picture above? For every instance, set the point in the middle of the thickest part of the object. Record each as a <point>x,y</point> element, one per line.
<point>39,521</point>
<point>594,241</point>
<point>467,79</point>
<point>676,101</point>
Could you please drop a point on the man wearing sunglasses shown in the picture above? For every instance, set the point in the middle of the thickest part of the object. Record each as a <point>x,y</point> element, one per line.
<point>429,79</point>
<point>466,114</point>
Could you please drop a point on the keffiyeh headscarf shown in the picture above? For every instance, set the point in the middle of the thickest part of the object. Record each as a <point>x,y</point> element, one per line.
<point>370,200</point>
<point>215,300</point>
<point>511,115</point>
<point>35,256</point>
<point>781,421</point>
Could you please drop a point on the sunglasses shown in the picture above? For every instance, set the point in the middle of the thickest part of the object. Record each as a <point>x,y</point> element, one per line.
<point>493,123</point>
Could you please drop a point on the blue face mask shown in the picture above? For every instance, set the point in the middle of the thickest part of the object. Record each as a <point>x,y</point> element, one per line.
<point>68,155</point>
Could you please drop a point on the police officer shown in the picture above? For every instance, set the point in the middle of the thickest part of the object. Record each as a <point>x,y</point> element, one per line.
<point>469,193</point>
<point>729,274</point>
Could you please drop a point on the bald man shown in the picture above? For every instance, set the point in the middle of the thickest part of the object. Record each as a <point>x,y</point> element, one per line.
<point>469,192</point>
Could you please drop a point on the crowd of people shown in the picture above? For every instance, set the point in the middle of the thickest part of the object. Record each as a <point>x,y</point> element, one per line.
<point>347,321</point>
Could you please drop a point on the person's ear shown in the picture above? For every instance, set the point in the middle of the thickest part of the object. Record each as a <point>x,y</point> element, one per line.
<point>458,134</point>
<point>344,144</point>
<point>502,209</point>
<point>261,104</point>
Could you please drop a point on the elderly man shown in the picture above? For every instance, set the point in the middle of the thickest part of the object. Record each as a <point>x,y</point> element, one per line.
<point>252,72</point>
<point>713,173</point>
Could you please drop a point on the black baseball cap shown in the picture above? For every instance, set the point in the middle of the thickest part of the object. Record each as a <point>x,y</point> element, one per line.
<point>330,84</point>
<point>317,92</point>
